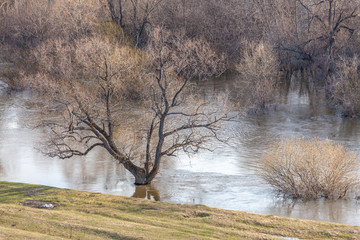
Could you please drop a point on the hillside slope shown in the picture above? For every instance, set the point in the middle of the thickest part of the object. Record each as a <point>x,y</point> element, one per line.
<point>85,215</point>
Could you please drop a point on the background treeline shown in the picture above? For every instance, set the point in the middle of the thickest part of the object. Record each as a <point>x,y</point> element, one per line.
<point>320,37</point>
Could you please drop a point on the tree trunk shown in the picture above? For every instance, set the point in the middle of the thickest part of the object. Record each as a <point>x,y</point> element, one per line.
<point>141,178</point>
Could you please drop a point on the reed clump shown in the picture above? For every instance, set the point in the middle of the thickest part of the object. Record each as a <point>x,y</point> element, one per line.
<point>310,169</point>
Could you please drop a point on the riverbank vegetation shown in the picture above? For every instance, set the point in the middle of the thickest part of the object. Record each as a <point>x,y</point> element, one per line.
<point>70,214</point>
<point>314,36</point>
<point>310,169</point>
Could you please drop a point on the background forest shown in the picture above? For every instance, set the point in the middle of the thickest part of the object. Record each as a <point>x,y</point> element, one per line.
<point>260,39</point>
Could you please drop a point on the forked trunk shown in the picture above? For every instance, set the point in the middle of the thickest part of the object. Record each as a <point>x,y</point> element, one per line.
<point>141,179</point>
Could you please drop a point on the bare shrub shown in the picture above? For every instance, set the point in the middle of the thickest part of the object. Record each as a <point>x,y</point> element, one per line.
<point>310,169</point>
<point>345,86</point>
<point>74,19</point>
<point>259,75</point>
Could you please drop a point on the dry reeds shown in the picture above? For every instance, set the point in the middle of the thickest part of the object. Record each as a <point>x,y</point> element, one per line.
<point>310,169</point>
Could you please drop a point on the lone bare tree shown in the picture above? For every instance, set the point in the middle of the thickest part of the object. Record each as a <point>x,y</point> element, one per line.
<point>331,16</point>
<point>308,32</point>
<point>88,82</point>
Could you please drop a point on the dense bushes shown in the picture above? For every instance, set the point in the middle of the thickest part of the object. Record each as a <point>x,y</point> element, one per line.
<point>28,23</point>
<point>87,63</point>
<point>221,22</point>
<point>25,25</point>
<point>310,169</point>
<point>291,26</point>
<point>291,34</point>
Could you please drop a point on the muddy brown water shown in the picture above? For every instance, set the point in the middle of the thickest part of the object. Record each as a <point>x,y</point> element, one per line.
<point>225,178</point>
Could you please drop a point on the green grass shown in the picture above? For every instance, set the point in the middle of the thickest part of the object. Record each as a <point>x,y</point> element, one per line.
<point>86,215</point>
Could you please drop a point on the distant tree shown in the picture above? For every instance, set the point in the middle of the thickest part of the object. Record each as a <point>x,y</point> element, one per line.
<point>223,23</point>
<point>88,82</point>
<point>116,12</point>
<point>308,31</point>
<point>344,86</point>
<point>142,11</point>
<point>331,17</point>
<point>285,29</point>
<point>134,16</point>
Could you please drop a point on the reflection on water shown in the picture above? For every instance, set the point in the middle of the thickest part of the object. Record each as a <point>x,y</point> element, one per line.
<point>225,178</point>
<point>147,192</point>
<point>334,211</point>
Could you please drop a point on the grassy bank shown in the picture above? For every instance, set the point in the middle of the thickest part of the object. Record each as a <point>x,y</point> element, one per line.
<point>86,215</point>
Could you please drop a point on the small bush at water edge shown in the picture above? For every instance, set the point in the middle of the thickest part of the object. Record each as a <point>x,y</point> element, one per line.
<point>310,169</point>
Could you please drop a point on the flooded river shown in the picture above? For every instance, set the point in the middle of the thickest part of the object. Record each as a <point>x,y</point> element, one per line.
<point>225,178</point>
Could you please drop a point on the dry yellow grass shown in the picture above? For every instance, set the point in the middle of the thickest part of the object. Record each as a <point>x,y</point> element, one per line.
<point>85,215</point>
